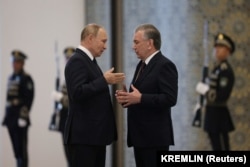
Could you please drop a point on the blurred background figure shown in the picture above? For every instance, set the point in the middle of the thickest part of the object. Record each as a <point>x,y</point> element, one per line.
<point>60,96</point>
<point>20,94</point>
<point>218,122</point>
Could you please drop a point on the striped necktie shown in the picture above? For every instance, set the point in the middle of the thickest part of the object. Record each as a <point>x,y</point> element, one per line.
<point>142,67</point>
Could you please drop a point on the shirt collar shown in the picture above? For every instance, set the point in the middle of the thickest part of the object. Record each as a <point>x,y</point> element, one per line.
<point>85,50</point>
<point>150,57</point>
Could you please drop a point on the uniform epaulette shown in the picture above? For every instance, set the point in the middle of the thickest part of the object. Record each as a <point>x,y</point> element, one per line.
<point>26,74</point>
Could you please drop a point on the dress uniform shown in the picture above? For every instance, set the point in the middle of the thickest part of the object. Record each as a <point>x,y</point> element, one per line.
<point>217,121</point>
<point>20,95</point>
<point>61,97</point>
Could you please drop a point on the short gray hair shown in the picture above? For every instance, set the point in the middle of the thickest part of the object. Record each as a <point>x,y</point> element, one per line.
<point>151,32</point>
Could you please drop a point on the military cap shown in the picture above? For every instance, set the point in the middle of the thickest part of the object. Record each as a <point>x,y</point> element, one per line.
<point>17,55</point>
<point>223,39</point>
<point>68,52</point>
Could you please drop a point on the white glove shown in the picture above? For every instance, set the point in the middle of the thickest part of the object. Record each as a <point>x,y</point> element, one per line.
<point>202,88</point>
<point>22,122</point>
<point>56,96</point>
<point>196,107</point>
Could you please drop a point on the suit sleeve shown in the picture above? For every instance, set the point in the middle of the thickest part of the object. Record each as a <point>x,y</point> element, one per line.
<point>167,86</point>
<point>81,84</point>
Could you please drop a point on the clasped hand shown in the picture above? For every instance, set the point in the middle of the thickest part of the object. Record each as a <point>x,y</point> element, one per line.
<point>113,78</point>
<point>128,98</point>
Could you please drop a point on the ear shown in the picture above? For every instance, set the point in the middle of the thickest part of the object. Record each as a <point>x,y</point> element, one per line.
<point>90,37</point>
<point>150,43</point>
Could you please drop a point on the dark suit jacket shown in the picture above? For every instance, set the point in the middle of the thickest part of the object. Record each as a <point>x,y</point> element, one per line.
<point>149,122</point>
<point>90,118</point>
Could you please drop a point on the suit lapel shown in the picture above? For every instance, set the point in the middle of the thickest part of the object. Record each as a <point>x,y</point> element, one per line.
<point>97,66</point>
<point>136,71</point>
<point>147,69</point>
<point>94,66</point>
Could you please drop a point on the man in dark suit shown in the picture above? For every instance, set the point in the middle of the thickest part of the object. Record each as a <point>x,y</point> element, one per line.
<point>153,92</point>
<point>90,124</point>
<point>218,122</point>
<point>20,96</point>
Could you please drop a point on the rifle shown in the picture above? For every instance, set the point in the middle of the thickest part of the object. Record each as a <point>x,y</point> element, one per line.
<point>198,114</point>
<point>55,118</point>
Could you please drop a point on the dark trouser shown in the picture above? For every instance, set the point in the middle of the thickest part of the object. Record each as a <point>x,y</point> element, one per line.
<point>19,140</point>
<point>219,141</point>
<point>66,152</point>
<point>86,155</point>
<point>146,157</point>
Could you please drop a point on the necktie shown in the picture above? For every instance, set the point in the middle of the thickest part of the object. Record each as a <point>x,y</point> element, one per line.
<point>95,62</point>
<point>142,67</point>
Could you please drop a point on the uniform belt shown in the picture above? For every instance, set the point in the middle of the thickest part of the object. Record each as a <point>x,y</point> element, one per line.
<point>222,104</point>
<point>13,102</point>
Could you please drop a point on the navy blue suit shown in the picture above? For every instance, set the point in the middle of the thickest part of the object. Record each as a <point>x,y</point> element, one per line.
<point>91,120</point>
<point>149,122</point>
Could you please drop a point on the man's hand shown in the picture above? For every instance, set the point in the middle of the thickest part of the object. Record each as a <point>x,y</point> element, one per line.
<point>118,94</point>
<point>128,98</point>
<point>113,78</point>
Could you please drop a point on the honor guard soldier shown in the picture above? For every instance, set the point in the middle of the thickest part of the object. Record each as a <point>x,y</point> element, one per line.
<point>218,122</point>
<point>61,97</point>
<point>20,95</point>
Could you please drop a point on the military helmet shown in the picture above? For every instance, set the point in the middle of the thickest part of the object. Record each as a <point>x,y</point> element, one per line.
<point>225,40</point>
<point>68,52</point>
<point>17,55</point>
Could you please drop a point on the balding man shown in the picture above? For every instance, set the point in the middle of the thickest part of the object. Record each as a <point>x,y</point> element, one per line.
<point>90,124</point>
